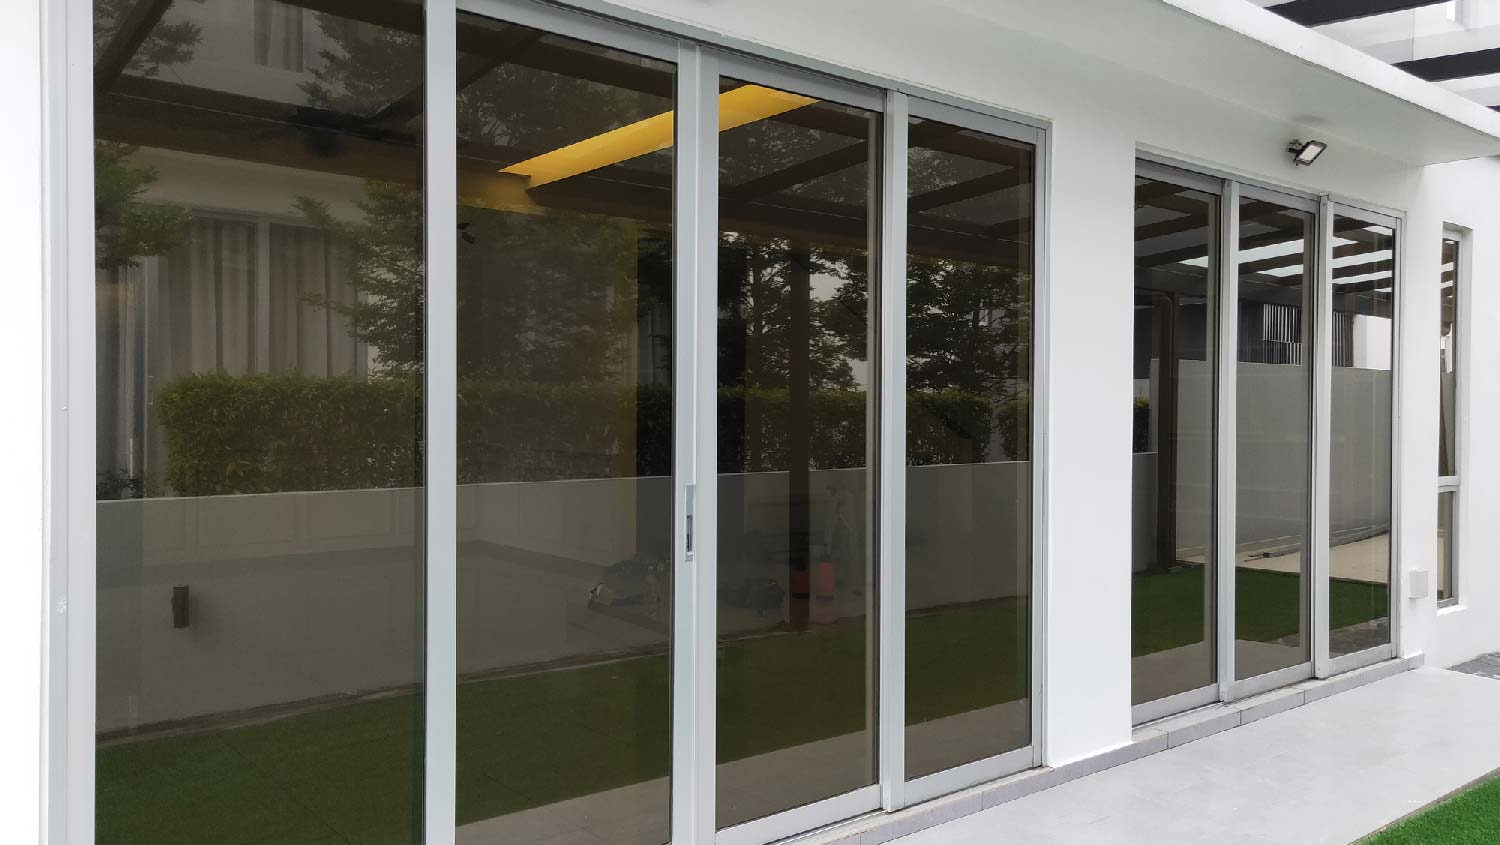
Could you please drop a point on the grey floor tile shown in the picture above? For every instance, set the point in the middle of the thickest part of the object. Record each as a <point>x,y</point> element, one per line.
<point>1329,771</point>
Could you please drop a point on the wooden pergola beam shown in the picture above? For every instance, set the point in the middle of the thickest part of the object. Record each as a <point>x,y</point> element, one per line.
<point>134,28</point>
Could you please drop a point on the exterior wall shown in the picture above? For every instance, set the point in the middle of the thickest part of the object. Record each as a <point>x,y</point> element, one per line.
<point>23,516</point>
<point>1464,194</point>
<point>1101,116</point>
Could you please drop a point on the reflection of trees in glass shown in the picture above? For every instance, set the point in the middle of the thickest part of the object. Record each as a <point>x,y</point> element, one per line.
<point>968,330</point>
<point>166,43</point>
<point>968,326</point>
<point>127,228</point>
<point>370,68</point>
<point>551,298</point>
<point>544,293</point>
<point>385,268</point>
<point>758,279</point>
<point>792,188</point>
<point>969,319</point>
<point>556,298</point>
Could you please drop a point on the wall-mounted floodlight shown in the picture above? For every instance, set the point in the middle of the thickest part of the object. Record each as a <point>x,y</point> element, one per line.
<point>1306,152</point>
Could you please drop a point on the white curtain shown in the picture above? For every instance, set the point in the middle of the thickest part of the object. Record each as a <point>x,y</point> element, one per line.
<point>209,306</point>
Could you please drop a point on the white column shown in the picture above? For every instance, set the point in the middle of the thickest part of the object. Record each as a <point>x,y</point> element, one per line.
<point>23,346</point>
<point>1090,289</point>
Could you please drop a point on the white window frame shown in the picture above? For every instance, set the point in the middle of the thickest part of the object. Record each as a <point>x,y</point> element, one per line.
<point>1452,483</point>
<point>1167,167</point>
<point>1227,193</point>
<point>898,790</point>
<point>1326,664</point>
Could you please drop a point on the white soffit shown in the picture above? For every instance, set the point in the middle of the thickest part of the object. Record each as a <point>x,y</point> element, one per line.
<point>1236,51</point>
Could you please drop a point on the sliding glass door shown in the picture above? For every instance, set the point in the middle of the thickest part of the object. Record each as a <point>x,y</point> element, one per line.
<point>519,426</point>
<point>1173,495</point>
<point>798,175</point>
<point>1361,289</point>
<point>970,340</point>
<point>1292,576</point>
<point>1277,261</point>
<point>565,427</point>
<point>259,289</point>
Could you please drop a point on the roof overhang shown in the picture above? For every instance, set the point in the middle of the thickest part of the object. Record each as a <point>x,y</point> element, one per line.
<point>1236,51</point>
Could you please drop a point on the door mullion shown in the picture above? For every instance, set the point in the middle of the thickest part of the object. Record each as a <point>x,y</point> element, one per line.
<point>440,423</point>
<point>695,448</point>
<point>891,337</point>
<point>1322,404</point>
<point>1228,433</point>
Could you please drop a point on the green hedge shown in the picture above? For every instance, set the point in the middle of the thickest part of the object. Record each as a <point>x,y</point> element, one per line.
<point>261,434</point>
<point>254,434</point>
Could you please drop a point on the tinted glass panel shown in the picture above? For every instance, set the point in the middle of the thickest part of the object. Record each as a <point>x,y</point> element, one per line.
<point>1448,361</point>
<point>1274,425</point>
<point>259,306</point>
<point>1172,490</point>
<point>1447,503</point>
<point>1359,503</point>
<point>564,439</point>
<point>795,577</point>
<point>968,446</point>
<point>1448,433</point>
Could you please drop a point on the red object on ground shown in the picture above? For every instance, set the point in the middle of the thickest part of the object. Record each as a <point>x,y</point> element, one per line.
<point>824,579</point>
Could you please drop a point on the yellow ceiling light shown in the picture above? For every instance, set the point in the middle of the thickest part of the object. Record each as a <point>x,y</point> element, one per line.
<point>738,107</point>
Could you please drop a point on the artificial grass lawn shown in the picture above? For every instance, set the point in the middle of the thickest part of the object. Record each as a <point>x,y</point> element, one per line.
<point>350,774</point>
<point>1167,608</point>
<point>1471,817</point>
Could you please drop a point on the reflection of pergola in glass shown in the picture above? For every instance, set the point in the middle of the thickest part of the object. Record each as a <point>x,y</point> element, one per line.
<point>1267,268</point>
<point>154,112</point>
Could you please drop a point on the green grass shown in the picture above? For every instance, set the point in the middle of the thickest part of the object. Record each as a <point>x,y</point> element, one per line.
<point>348,774</point>
<point>1472,817</point>
<point>1167,608</point>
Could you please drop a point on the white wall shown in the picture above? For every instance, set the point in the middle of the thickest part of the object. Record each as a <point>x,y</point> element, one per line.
<point>1464,194</point>
<point>22,426</point>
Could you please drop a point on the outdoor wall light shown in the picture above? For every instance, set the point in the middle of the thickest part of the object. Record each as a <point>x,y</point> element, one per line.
<point>1306,152</point>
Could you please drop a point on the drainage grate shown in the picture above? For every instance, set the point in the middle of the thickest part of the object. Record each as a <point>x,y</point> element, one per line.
<point>1485,665</point>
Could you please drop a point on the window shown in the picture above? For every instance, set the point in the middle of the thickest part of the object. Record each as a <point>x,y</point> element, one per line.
<point>1360,421</point>
<point>565,437</point>
<point>259,461</point>
<point>1273,383</point>
<point>796,249</point>
<point>969,354</point>
<point>1450,298</point>
<point>1172,492</point>
<point>280,41</point>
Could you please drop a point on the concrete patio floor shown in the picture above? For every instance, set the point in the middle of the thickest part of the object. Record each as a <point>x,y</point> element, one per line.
<point>1331,771</point>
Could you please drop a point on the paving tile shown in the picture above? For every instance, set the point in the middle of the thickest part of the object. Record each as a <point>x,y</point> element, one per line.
<point>1330,771</point>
